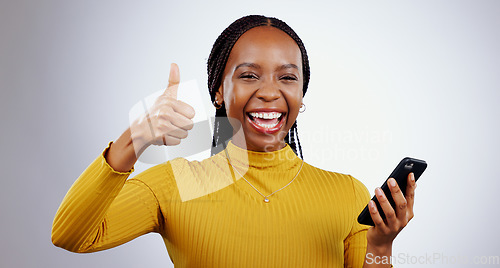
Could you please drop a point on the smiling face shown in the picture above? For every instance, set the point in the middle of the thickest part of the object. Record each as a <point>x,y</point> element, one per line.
<point>262,88</point>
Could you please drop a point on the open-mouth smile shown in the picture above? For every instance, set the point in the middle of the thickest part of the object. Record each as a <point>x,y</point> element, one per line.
<point>266,122</point>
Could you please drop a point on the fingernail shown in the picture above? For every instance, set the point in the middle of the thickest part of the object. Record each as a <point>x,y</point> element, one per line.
<point>378,191</point>
<point>412,177</point>
<point>392,182</point>
<point>372,205</point>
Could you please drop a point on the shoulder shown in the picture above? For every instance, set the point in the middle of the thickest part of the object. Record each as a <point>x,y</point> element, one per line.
<point>165,171</point>
<point>172,167</point>
<point>345,182</point>
<point>183,178</point>
<point>154,178</point>
<point>328,175</point>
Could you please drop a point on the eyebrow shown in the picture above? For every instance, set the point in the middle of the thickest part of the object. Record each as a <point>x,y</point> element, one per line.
<point>288,66</point>
<point>247,64</point>
<point>254,65</point>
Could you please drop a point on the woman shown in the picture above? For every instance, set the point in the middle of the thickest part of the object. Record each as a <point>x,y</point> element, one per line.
<point>254,202</point>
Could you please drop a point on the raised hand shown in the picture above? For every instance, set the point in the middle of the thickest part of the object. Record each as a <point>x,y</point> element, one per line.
<point>167,121</point>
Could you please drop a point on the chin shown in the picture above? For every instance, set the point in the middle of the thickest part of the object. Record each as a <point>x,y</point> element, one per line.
<point>267,143</point>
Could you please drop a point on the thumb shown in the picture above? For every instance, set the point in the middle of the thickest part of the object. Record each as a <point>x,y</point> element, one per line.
<point>173,81</point>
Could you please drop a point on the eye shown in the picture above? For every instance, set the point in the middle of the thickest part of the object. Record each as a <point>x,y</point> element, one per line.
<point>248,76</point>
<point>289,78</point>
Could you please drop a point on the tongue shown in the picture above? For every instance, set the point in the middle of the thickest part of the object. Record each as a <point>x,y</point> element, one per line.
<point>265,121</point>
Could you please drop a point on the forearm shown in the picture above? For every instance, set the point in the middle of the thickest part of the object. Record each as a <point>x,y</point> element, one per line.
<point>124,152</point>
<point>378,257</point>
<point>122,155</point>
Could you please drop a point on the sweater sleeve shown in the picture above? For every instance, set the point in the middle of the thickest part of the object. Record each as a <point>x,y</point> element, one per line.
<point>103,210</point>
<point>355,243</point>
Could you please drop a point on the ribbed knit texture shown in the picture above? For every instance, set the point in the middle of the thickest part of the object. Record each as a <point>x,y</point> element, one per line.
<point>209,217</point>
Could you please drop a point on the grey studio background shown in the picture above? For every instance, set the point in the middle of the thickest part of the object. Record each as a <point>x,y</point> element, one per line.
<point>389,79</point>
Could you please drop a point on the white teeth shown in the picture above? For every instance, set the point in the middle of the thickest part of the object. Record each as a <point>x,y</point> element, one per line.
<point>267,125</point>
<point>270,115</point>
<point>266,115</point>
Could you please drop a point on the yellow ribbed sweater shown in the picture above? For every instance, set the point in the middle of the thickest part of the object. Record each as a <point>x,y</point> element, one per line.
<point>209,217</point>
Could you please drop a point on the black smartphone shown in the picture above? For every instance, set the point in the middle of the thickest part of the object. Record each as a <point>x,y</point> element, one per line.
<point>400,174</point>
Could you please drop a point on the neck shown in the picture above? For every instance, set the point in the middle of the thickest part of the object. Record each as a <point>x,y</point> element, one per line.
<point>244,157</point>
<point>263,146</point>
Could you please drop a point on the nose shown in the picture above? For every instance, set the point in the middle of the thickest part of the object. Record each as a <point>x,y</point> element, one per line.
<point>268,91</point>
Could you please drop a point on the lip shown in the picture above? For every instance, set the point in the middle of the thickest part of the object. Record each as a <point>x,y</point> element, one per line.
<point>261,129</point>
<point>266,110</point>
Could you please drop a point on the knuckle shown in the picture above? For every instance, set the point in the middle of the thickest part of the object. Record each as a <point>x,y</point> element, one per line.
<point>168,114</point>
<point>156,119</point>
<point>162,124</point>
<point>165,129</point>
<point>378,222</point>
<point>396,189</point>
<point>381,198</point>
<point>166,123</point>
<point>170,130</point>
<point>390,214</point>
<point>403,205</point>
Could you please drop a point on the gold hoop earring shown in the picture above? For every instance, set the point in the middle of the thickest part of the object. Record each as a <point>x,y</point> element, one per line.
<point>302,108</point>
<point>217,105</point>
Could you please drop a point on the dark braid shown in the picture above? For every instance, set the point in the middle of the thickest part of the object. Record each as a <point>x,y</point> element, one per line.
<point>217,63</point>
<point>290,138</point>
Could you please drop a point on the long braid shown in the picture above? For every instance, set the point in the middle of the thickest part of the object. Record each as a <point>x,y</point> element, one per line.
<point>217,62</point>
<point>291,137</point>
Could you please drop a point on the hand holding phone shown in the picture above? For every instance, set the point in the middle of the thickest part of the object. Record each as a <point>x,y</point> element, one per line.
<point>400,174</point>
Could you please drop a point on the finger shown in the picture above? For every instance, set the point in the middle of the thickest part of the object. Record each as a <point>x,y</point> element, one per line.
<point>173,81</point>
<point>167,115</point>
<point>168,140</point>
<point>410,193</point>
<point>399,199</point>
<point>182,122</point>
<point>164,124</point>
<point>389,212</point>
<point>177,133</point>
<point>376,218</point>
<point>183,109</point>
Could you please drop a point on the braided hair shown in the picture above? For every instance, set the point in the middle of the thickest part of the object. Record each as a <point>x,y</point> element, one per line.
<point>217,62</point>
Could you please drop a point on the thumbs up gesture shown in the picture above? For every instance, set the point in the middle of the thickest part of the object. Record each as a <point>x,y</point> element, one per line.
<point>167,121</point>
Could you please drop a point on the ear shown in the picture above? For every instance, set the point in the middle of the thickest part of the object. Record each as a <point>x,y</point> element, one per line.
<point>219,96</point>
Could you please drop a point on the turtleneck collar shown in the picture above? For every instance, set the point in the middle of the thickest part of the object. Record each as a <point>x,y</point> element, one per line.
<point>283,159</point>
